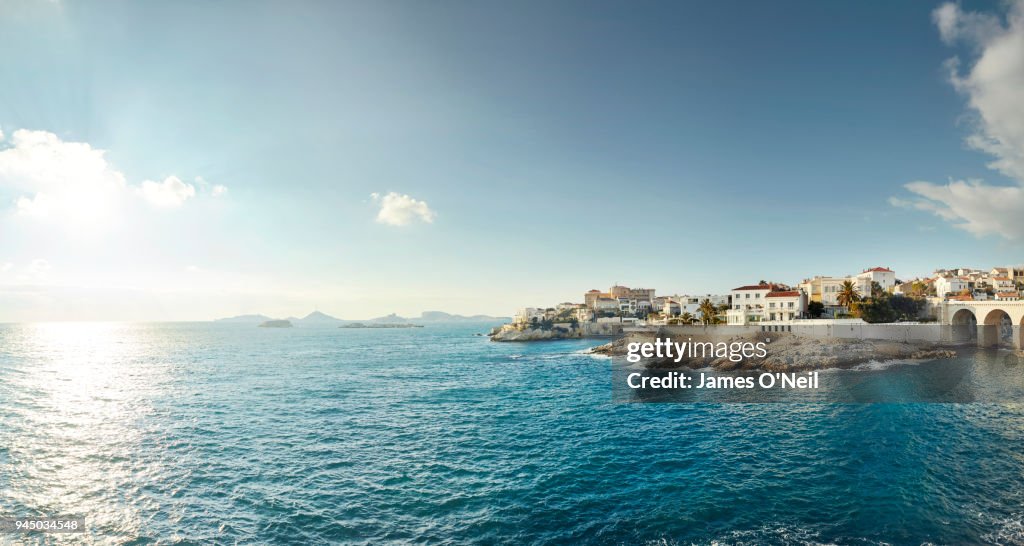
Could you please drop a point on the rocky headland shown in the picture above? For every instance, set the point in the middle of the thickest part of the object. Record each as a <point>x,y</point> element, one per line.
<point>519,332</point>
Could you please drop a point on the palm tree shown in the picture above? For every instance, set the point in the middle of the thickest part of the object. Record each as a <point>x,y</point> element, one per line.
<point>686,318</point>
<point>848,294</point>
<point>709,314</point>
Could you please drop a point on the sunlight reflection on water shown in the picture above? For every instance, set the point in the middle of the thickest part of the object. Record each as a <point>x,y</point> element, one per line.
<point>70,411</point>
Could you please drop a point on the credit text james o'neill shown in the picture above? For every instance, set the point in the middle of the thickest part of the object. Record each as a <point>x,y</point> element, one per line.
<point>666,349</point>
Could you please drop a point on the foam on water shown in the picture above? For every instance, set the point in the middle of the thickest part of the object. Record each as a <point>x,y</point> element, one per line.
<point>877,365</point>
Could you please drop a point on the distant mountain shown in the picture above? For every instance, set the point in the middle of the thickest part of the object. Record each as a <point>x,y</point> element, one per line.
<point>437,316</point>
<point>390,319</point>
<point>318,318</point>
<point>441,316</point>
<point>255,319</point>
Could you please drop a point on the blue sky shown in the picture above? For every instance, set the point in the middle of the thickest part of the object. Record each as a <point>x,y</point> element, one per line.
<point>536,150</point>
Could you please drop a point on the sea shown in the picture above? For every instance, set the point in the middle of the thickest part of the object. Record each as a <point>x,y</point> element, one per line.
<point>214,433</point>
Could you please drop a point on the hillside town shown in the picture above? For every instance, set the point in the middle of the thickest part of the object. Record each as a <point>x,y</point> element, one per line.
<point>872,295</point>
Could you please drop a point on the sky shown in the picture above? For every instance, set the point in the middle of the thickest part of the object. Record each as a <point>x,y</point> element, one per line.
<point>194,160</point>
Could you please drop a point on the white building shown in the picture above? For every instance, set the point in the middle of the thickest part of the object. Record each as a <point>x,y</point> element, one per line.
<point>527,314</point>
<point>1003,284</point>
<point>629,305</point>
<point>785,306</point>
<point>748,303</point>
<point>885,277</point>
<point>670,308</point>
<point>824,289</point>
<point>606,304</point>
<point>677,305</point>
<point>950,285</point>
<point>736,317</point>
<point>584,315</point>
<point>716,299</point>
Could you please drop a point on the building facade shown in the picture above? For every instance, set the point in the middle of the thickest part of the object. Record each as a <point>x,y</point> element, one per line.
<point>885,277</point>
<point>748,302</point>
<point>786,305</point>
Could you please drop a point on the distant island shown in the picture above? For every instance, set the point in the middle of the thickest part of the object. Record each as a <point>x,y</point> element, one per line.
<point>379,325</point>
<point>276,324</point>
<point>317,318</point>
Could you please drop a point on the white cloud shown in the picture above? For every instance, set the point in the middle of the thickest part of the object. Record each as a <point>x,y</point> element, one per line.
<point>972,206</point>
<point>401,210</point>
<point>72,182</point>
<point>994,86</point>
<point>172,192</point>
<point>38,206</point>
<point>218,190</point>
<point>38,267</point>
<point>954,24</point>
<point>5,267</point>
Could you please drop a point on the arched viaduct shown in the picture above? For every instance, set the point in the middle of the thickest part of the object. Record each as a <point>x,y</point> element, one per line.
<point>991,322</point>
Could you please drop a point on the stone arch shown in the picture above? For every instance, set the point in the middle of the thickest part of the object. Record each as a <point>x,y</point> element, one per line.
<point>1018,334</point>
<point>964,325</point>
<point>996,329</point>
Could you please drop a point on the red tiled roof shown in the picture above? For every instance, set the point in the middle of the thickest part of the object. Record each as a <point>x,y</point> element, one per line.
<point>787,294</point>
<point>1007,295</point>
<point>879,269</point>
<point>1000,279</point>
<point>966,297</point>
<point>768,287</point>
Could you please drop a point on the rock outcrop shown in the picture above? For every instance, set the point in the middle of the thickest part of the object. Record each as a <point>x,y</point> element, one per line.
<point>516,332</point>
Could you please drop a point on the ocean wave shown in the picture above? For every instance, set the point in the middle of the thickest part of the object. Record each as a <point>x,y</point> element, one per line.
<point>878,365</point>
<point>1009,530</point>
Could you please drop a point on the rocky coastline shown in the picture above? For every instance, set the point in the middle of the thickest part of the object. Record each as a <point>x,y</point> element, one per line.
<point>787,352</point>
<point>518,332</point>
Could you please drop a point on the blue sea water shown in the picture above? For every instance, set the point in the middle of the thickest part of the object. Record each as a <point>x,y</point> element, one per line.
<point>199,433</point>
